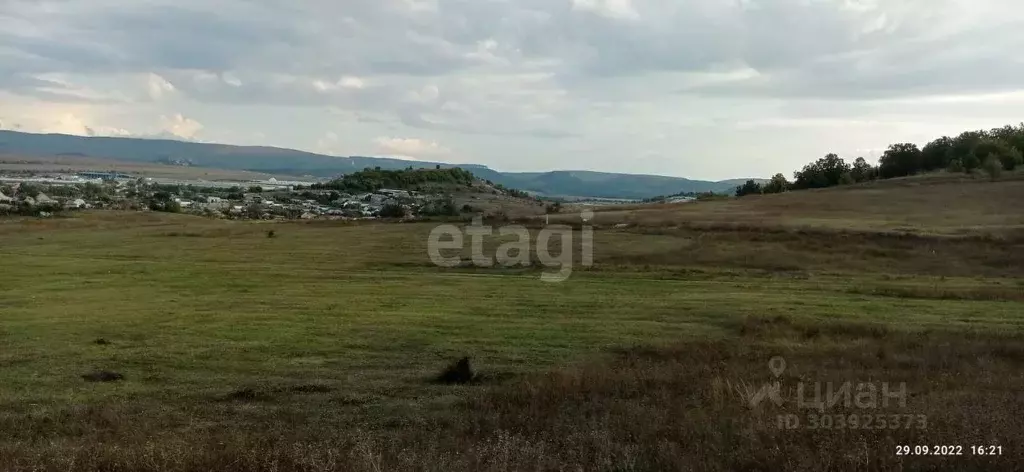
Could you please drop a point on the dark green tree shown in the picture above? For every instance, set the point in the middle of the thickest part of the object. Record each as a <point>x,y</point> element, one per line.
<point>1013,159</point>
<point>777,184</point>
<point>29,189</point>
<point>1011,135</point>
<point>937,154</point>
<point>825,172</point>
<point>970,162</point>
<point>749,187</point>
<point>862,171</point>
<point>900,160</point>
<point>392,210</point>
<point>964,144</point>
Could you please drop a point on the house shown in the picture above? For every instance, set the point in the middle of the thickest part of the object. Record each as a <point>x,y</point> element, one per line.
<point>77,204</point>
<point>182,202</point>
<point>5,198</point>
<point>394,193</point>
<point>681,200</point>
<point>42,199</point>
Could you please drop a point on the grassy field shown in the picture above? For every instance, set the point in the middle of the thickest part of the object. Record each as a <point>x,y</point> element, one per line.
<point>316,349</point>
<point>934,204</point>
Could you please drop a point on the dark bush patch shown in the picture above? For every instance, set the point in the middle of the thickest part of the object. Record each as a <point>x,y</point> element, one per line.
<point>494,378</point>
<point>811,332</point>
<point>248,394</point>
<point>311,388</point>
<point>101,342</point>
<point>178,234</point>
<point>942,293</point>
<point>271,234</point>
<point>759,325</point>
<point>103,376</point>
<point>459,372</point>
<point>856,330</point>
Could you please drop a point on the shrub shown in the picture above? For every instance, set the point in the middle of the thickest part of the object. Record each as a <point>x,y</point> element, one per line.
<point>993,167</point>
<point>168,206</point>
<point>459,372</point>
<point>392,210</point>
<point>971,162</point>
<point>749,188</point>
<point>777,184</point>
<point>442,207</point>
<point>1012,159</point>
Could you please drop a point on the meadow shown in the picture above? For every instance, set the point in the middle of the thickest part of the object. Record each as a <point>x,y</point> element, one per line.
<point>317,348</point>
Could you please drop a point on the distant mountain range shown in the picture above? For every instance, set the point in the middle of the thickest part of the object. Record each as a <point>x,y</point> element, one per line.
<point>299,163</point>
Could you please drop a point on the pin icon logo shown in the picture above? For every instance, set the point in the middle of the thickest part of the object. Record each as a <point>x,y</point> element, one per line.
<point>772,390</point>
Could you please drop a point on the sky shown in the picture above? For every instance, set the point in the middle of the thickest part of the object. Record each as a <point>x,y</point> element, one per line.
<point>708,89</point>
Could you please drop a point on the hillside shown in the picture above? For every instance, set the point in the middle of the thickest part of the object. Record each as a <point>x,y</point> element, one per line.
<point>272,160</point>
<point>938,204</point>
<point>599,184</point>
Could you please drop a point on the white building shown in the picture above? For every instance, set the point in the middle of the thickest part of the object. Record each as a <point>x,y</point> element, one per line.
<point>78,203</point>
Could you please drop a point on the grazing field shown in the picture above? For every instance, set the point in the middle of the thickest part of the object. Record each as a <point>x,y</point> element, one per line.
<point>317,348</point>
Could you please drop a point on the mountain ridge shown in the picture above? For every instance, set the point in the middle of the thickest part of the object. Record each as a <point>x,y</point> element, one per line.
<point>285,161</point>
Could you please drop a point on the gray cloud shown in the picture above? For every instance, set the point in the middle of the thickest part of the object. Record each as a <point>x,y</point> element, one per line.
<point>498,70</point>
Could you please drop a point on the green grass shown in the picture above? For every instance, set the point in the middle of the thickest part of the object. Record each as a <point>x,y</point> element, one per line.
<point>196,310</point>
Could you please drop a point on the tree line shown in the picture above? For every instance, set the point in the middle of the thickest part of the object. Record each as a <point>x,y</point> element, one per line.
<point>695,195</point>
<point>990,151</point>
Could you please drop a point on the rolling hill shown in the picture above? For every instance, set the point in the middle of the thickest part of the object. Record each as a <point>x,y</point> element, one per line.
<point>273,160</point>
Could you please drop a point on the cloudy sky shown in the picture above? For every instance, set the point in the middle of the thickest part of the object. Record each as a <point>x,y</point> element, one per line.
<point>696,88</point>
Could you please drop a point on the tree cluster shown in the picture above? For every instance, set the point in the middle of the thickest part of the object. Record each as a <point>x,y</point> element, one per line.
<point>663,198</point>
<point>371,180</point>
<point>990,151</point>
<point>444,206</point>
<point>163,201</point>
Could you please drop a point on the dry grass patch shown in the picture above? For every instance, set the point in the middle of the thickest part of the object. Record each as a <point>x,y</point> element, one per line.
<point>680,407</point>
